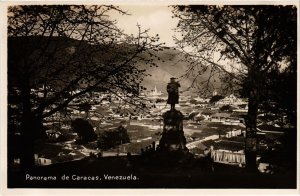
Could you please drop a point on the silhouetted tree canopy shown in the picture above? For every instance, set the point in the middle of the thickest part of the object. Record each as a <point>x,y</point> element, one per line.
<point>216,98</point>
<point>84,131</point>
<point>112,138</point>
<point>242,45</point>
<point>227,108</point>
<point>59,53</point>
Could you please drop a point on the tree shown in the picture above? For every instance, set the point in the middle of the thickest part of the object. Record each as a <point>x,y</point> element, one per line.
<point>199,118</point>
<point>84,130</point>
<point>227,108</point>
<point>241,45</point>
<point>284,98</point>
<point>59,53</point>
<point>215,98</point>
<point>112,138</point>
<point>86,108</point>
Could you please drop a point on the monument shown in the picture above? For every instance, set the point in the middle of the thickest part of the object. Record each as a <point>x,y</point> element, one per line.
<point>172,136</point>
<point>173,94</point>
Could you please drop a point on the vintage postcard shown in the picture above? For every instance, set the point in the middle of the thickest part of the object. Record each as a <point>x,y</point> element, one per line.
<point>193,96</point>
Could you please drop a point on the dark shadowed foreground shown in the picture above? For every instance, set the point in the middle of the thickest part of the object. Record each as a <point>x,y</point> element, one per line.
<point>119,172</point>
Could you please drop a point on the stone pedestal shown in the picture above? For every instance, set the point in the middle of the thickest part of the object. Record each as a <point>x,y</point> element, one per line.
<point>173,136</point>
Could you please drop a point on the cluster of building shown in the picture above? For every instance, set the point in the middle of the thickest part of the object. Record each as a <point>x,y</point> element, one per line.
<point>110,110</point>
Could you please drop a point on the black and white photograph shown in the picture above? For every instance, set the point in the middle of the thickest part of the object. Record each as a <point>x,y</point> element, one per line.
<point>151,96</point>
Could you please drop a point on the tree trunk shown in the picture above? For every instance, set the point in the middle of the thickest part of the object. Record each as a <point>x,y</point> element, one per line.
<point>27,135</point>
<point>31,129</point>
<point>251,138</point>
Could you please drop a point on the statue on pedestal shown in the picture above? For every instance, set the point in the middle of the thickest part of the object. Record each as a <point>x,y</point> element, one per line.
<point>173,136</point>
<point>173,95</point>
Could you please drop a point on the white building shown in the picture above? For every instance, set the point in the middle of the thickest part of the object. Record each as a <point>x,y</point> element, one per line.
<point>231,100</point>
<point>215,93</point>
<point>155,92</point>
<point>42,160</point>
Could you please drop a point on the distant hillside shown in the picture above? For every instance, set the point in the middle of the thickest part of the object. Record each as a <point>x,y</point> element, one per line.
<point>171,62</point>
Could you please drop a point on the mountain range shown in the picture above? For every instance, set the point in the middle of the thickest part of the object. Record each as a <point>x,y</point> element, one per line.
<point>173,64</point>
<point>170,61</point>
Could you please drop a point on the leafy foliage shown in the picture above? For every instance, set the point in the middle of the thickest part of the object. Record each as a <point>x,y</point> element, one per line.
<point>216,98</point>
<point>242,45</point>
<point>227,108</point>
<point>59,49</point>
<point>60,53</point>
<point>112,138</point>
<point>84,130</point>
<point>238,43</point>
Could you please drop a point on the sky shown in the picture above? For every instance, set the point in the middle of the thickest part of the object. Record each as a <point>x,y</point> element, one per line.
<point>157,18</point>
